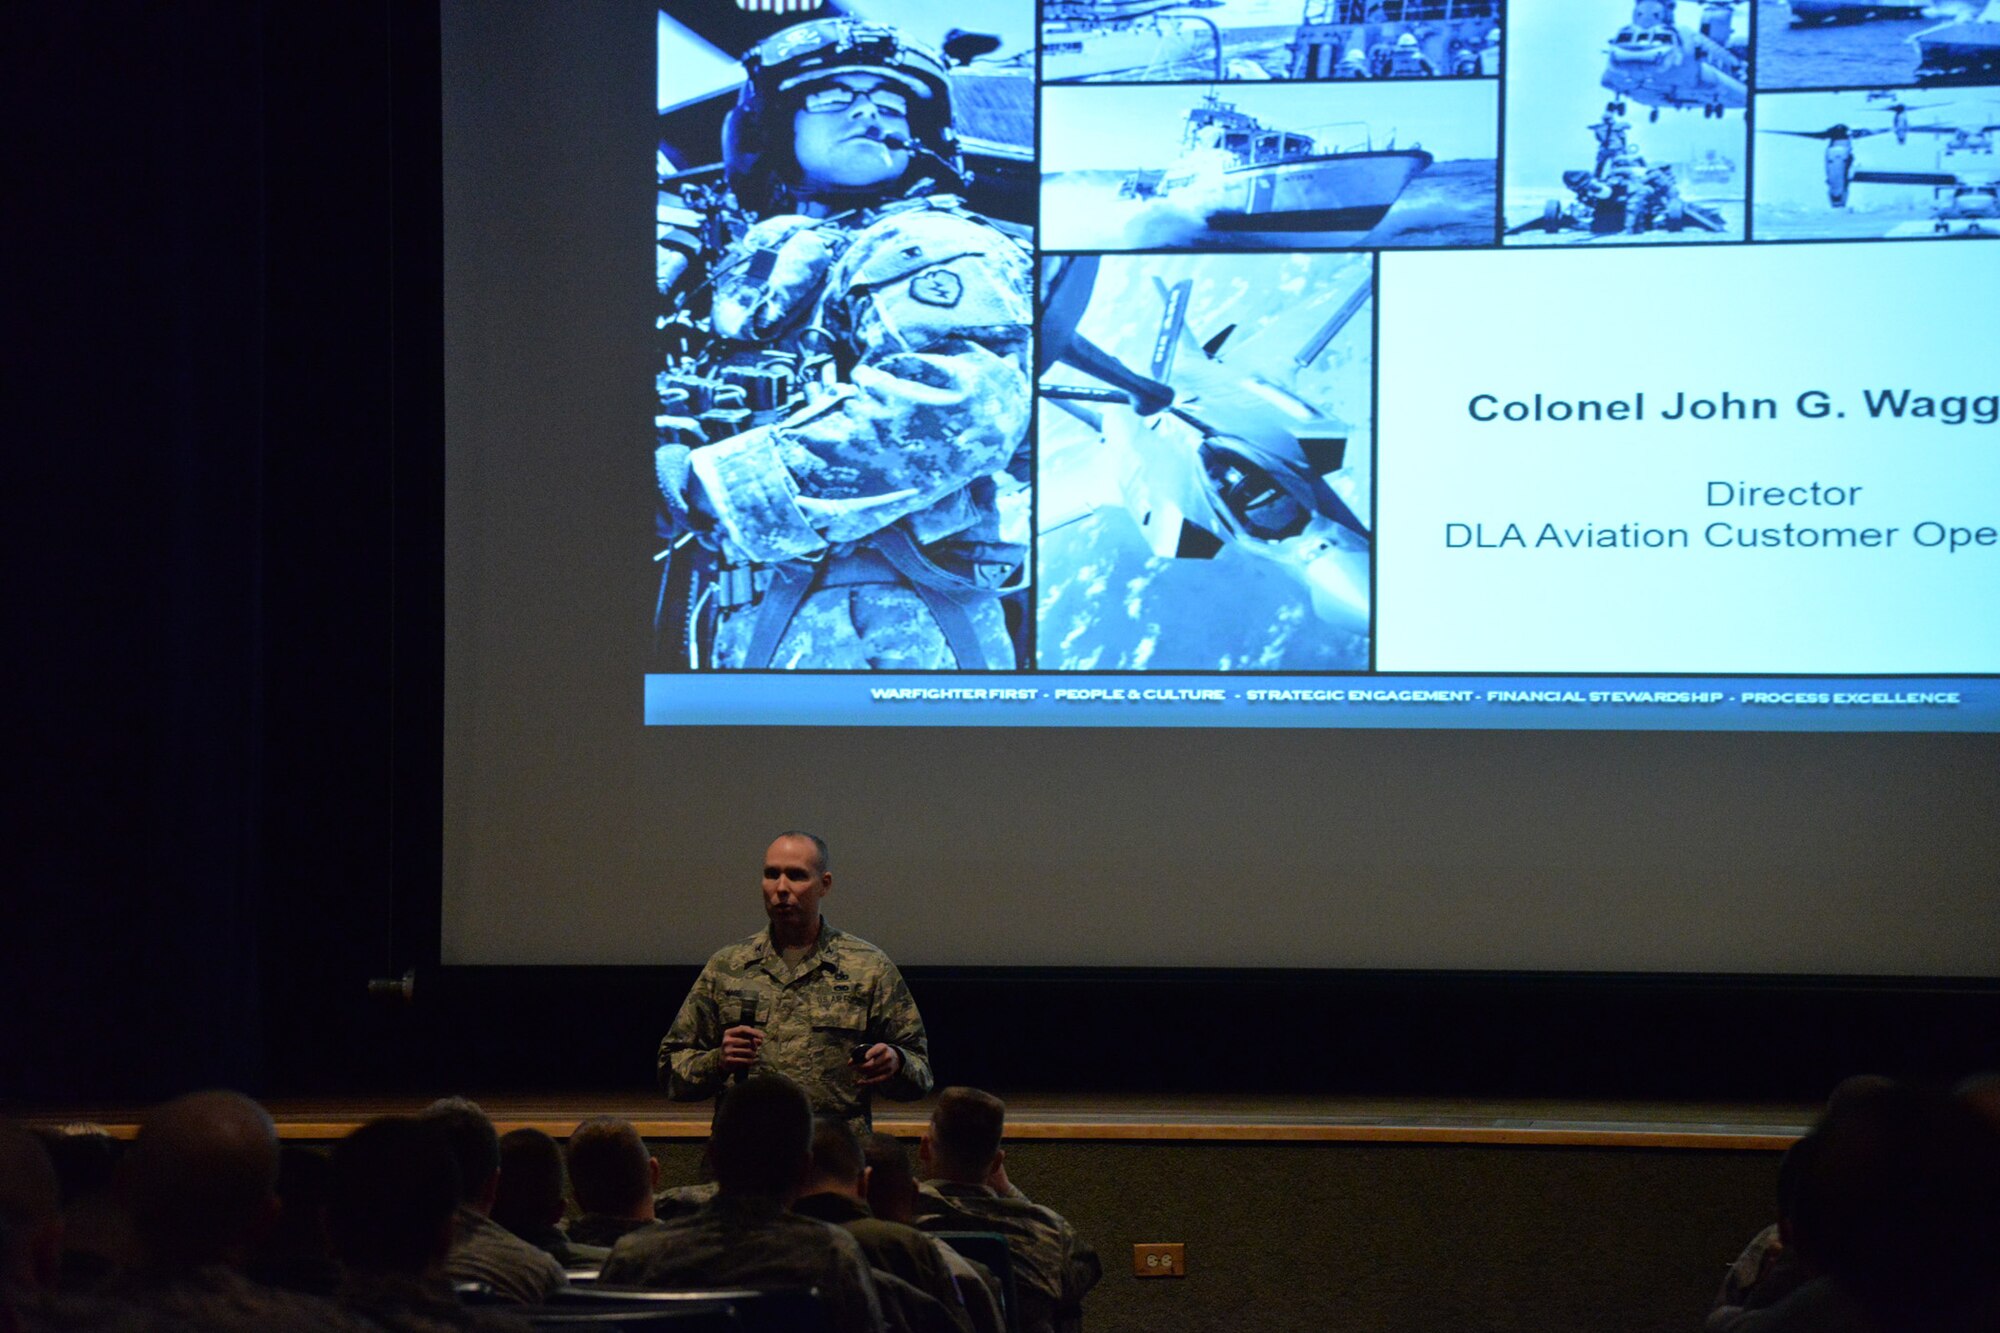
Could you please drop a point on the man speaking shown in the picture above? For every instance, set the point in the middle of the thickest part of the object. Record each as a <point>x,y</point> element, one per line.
<point>820,1006</point>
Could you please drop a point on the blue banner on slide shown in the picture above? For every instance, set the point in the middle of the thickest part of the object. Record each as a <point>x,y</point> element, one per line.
<point>1561,703</point>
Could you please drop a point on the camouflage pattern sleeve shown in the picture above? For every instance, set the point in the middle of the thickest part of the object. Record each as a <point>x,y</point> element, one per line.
<point>932,309</point>
<point>690,1060</point>
<point>899,1024</point>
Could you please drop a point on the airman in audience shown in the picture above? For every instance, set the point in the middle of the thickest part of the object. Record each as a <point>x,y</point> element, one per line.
<point>533,1196</point>
<point>761,1153</point>
<point>391,1214</point>
<point>968,1190</point>
<point>483,1251</point>
<point>201,1186</point>
<point>837,1193</point>
<point>893,1195</point>
<point>613,1178</point>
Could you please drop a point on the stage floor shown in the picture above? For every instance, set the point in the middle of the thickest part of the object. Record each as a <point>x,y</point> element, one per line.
<point>1130,1117</point>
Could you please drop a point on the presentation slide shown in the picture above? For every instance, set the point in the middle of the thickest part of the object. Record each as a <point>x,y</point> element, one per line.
<point>1242,483</point>
<point>1285,363</point>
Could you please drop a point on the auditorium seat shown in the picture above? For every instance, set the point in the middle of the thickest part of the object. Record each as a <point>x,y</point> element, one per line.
<point>773,1310</point>
<point>989,1248</point>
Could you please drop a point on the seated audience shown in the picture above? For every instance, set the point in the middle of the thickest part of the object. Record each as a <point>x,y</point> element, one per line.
<point>532,1197</point>
<point>200,1184</point>
<point>296,1253</point>
<point>613,1178</point>
<point>1769,1269</point>
<point>968,1190</point>
<point>483,1251</point>
<point>30,1223</point>
<point>391,1214</point>
<point>1893,1210</point>
<point>837,1192</point>
<point>97,1233</point>
<point>892,1196</point>
<point>761,1153</point>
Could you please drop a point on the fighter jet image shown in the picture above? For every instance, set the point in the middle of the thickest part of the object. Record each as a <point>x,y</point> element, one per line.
<point>1204,458</point>
<point>1658,63</point>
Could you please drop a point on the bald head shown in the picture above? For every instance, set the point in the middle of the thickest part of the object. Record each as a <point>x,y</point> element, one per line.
<point>202,1178</point>
<point>30,1211</point>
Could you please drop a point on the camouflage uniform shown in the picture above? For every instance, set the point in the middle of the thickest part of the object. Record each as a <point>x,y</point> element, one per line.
<point>211,1297</point>
<point>916,462</point>
<point>812,1013</point>
<point>904,1252</point>
<point>1053,1266</point>
<point>484,1251</point>
<point>748,1241</point>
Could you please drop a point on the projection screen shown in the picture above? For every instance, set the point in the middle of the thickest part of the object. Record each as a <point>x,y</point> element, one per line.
<point>1297,483</point>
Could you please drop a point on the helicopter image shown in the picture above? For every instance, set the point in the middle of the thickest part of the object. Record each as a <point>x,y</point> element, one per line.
<point>1900,110</point>
<point>1841,141</point>
<point>1207,458</point>
<point>1656,62</point>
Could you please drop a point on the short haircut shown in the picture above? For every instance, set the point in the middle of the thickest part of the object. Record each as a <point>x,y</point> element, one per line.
<point>394,1190</point>
<point>609,1168</point>
<point>202,1175</point>
<point>1896,1203</point>
<point>819,845</point>
<point>892,1185</point>
<point>887,1158</point>
<point>836,1150</point>
<point>763,1133</point>
<point>531,1180</point>
<point>966,1129</point>
<point>473,1141</point>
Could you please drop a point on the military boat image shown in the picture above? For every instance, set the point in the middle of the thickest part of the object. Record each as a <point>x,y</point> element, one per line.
<point>1417,39</point>
<point>1266,186</point>
<point>1129,39</point>
<point>1962,49</point>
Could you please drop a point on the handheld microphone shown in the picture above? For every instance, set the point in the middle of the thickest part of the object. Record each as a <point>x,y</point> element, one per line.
<point>746,1017</point>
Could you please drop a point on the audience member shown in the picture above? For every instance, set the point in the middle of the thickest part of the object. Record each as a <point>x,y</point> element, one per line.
<point>968,1190</point>
<point>200,1184</point>
<point>483,1251</point>
<point>1769,1269</point>
<point>391,1215</point>
<point>532,1197</point>
<point>296,1253</point>
<point>97,1232</point>
<point>837,1192</point>
<point>1895,1211</point>
<point>761,1154</point>
<point>893,1195</point>
<point>30,1222</point>
<point>613,1178</point>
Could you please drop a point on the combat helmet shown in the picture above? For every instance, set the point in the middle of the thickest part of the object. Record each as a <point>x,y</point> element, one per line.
<point>757,134</point>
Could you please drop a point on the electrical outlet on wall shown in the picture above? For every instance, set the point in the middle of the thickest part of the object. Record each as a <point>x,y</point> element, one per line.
<point>1159,1259</point>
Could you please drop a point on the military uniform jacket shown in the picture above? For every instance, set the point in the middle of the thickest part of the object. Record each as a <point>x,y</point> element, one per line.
<point>926,309</point>
<point>1053,1266</point>
<point>892,1248</point>
<point>752,1242</point>
<point>484,1251</point>
<point>843,993</point>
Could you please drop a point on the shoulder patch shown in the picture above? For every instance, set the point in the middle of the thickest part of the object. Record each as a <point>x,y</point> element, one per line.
<point>939,287</point>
